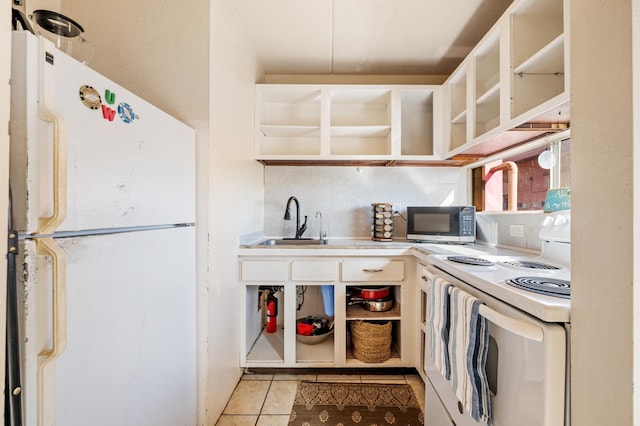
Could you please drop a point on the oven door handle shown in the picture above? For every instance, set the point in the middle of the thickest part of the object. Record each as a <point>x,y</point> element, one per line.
<point>516,326</point>
<point>519,327</point>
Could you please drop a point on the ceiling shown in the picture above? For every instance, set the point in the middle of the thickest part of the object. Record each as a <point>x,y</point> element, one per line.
<point>406,37</point>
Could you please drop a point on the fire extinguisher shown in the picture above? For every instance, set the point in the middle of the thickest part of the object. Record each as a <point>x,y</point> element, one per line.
<point>272,313</point>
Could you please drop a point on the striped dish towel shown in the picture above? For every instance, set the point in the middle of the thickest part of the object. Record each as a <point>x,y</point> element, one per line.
<point>468,347</point>
<point>438,312</point>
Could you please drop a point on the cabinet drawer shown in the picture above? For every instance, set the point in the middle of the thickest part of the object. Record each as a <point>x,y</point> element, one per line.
<point>314,270</point>
<point>373,270</point>
<point>262,270</point>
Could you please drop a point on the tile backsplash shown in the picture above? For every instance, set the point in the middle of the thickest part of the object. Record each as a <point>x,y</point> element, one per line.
<point>343,195</point>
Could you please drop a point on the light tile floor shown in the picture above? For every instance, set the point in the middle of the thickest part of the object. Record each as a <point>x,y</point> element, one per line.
<point>266,399</point>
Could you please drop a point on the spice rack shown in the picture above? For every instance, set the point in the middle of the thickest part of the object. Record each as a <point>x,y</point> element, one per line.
<point>382,222</point>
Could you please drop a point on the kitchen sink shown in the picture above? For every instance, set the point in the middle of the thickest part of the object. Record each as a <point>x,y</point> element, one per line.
<point>292,242</point>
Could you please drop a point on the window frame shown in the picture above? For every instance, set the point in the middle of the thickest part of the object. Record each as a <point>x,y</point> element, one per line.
<point>476,175</point>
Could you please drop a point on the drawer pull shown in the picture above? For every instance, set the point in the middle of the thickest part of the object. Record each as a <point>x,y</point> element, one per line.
<point>372,270</point>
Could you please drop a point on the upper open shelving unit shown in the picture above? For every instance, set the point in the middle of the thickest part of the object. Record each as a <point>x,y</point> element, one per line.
<point>347,123</point>
<point>514,85</point>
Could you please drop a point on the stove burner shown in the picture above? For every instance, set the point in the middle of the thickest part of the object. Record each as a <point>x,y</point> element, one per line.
<point>470,260</point>
<point>542,285</point>
<point>530,265</point>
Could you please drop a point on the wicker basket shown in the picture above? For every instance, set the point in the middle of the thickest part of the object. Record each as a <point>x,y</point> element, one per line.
<point>371,340</point>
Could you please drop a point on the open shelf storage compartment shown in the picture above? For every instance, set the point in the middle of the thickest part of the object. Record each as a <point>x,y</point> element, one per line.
<point>360,121</point>
<point>417,122</point>
<point>262,346</point>
<point>537,54</point>
<point>288,120</point>
<point>396,344</point>
<point>458,111</point>
<point>310,299</point>
<point>487,85</point>
<point>358,312</point>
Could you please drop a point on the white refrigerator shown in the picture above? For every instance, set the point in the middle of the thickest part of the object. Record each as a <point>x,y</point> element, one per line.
<point>103,190</point>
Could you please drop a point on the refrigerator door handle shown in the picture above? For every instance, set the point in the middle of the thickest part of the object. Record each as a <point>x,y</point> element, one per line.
<point>46,112</point>
<point>48,247</point>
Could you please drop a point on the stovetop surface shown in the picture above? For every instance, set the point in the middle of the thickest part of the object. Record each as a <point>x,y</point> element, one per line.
<point>492,280</point>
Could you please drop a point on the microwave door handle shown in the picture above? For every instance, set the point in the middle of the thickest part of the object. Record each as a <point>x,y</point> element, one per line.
<point>519,327</point>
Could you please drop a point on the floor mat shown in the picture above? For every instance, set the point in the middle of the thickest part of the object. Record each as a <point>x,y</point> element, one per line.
<point>361,404</point>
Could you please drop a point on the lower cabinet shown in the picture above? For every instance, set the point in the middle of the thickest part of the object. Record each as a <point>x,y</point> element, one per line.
<point>278,292</point>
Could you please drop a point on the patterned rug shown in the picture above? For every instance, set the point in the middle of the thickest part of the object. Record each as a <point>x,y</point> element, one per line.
<point>361,404</point>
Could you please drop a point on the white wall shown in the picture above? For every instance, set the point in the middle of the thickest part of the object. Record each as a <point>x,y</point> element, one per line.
<point>236,192</point>
<point>344,196</point>
<point>5,71</point>
<point>605,145</point>
<point>157,49</point>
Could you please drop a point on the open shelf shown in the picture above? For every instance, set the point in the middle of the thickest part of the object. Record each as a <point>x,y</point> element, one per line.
<point>535,24</point>
<point>458,95</point>
<point>538,52</point>
<point>322,352</point>
<point>288,120</point>
<point>394,359</point>
<point>269,347</point>
<point>487,84</point>
<point>360,131</point>
<point>310,302</point>
<point>417,122</point>
<point>360,106</point>
<point>548,60</point>
<point>290,131</point>
<point>490,95</point>
<point>396,354</point>
<point>357,312</point>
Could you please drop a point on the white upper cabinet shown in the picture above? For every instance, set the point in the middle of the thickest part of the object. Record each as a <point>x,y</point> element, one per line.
<point>514,85</point>
<point>385,123</point>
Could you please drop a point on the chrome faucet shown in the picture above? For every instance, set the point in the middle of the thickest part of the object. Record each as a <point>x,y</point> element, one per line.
<point>287,216</point>
<point>321,235</point>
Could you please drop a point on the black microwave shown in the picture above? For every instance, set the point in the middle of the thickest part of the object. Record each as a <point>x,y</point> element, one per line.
<point>452,224</point>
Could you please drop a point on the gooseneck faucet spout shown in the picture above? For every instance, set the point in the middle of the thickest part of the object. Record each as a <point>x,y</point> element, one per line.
<point>287,216</point>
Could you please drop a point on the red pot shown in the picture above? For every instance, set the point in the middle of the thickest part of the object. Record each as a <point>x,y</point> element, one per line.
<point>373,292</point>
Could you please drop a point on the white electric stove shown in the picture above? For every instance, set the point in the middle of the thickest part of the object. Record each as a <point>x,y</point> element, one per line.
<point>527,300</point>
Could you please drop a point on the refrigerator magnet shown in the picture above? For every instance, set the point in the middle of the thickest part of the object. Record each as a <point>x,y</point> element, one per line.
<point>90,97</point>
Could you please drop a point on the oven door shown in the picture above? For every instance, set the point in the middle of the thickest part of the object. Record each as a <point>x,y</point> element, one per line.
<point>525,366</point>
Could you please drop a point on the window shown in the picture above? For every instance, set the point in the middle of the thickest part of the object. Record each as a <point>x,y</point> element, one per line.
<point>544,166</point>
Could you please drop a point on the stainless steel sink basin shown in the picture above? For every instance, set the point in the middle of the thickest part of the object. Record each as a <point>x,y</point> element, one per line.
<point>292,242</point>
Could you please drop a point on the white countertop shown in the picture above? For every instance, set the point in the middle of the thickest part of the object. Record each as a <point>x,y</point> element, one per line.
<point>368,247</point>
